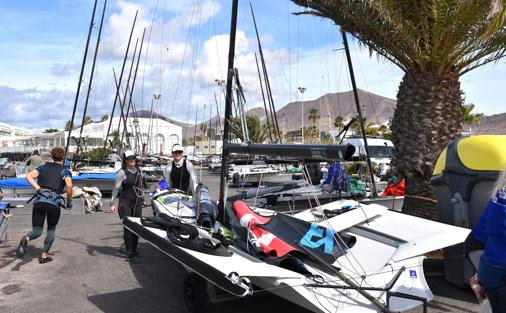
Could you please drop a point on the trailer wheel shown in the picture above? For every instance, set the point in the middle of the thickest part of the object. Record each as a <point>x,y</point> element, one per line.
<point>195,293</point>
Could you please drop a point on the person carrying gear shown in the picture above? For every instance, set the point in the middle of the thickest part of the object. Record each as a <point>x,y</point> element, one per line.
<point>180,174</point>
<point>129,189</point>
<point>34,160</point>
<point>52,179</point>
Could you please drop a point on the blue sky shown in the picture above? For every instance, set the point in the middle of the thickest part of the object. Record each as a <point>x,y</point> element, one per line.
<point>43,43</point>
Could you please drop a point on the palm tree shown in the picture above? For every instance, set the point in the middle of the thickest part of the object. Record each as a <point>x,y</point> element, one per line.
<point>87,120</point>
<point>313,115</point>
<point>257,132</point>
<point>357,129</point>
<point>470,118</point>
<point>68,126</point>
<point>203,129</point>
<point>433,42</point>
<point>339,122</point>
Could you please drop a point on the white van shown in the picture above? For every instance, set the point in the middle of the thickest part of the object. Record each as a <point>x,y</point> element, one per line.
<point>380,150</point>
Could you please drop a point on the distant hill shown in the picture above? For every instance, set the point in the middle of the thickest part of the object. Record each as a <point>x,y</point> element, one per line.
<point>489,125</point>
<point>375,108</point>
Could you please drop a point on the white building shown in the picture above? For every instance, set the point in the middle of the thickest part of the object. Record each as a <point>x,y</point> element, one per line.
<point>155,136</point>
<point>10,134</point>
<point>207,147</point>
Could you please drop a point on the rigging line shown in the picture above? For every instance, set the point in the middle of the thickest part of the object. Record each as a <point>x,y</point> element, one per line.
<point>119,81</point>
<point>127,88</point>
<point>91,79</point>
<point>146,53</point>
<point>213,25</point>
<point>182,61</point>
<point>263,98</point>
<point>133,83</point>
<point>367,90</point>
<point>298,56</point>
<point>320,210</point>
<point>289,52</point>
<point>161,52</point>
<point>76,99</point>
<point>194,64</point>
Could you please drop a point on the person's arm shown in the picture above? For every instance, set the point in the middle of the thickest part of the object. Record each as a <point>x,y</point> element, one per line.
<point>193,177</point>
<point>166,174</point>
<point>120,177</point>
<point>31,177</point>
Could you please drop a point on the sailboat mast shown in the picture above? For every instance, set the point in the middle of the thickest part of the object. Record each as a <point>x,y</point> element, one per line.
<point>119,84</point>
<point>263,98</point>
<point>357,103</point>
<point>124,106</point>
<point>76,99</point>
<point>133,86</point>
<point>91,78</point>
<point>274,118</point>
<point>228,105</point>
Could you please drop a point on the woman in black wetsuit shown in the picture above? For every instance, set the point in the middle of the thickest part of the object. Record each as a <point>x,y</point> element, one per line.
<point>128,188</point>
<point>52,179</point>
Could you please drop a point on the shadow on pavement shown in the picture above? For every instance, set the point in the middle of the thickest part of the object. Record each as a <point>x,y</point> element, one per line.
<point>161,280</point>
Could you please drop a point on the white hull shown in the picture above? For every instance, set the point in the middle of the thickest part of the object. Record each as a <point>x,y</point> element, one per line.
<point>395,240</point>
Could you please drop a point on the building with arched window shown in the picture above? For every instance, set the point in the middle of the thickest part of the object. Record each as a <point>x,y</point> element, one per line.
<point>151,134</point>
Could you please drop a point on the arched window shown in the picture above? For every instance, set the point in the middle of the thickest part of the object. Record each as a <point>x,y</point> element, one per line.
<point>158,144</point>
<point>173,139</point>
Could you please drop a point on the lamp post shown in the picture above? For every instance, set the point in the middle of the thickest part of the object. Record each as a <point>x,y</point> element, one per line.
<point>302,90</point>
<point>135,122</point>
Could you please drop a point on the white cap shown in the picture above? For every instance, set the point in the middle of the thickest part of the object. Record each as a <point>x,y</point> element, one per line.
<point>177,147</point>
<point>129,154</point>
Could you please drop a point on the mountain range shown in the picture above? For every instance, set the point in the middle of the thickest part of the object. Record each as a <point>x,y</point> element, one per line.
<point>376,109</point>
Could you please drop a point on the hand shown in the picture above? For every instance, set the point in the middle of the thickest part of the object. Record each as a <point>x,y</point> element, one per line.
<point>479,291</point>
<point>113,209</point>
<point>68,206</point>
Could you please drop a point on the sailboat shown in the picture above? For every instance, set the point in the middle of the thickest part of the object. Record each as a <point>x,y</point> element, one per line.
<point>342,256</point>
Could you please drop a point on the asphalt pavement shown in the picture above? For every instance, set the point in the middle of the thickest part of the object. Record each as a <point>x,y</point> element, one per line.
<point>90,274</point>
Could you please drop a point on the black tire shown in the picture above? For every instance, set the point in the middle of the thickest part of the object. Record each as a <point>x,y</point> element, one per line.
<point>195,293</point>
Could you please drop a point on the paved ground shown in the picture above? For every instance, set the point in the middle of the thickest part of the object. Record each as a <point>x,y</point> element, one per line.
<point>89,274</point>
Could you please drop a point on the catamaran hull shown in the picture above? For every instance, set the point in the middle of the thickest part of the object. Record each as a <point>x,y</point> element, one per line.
<point>295,203</point>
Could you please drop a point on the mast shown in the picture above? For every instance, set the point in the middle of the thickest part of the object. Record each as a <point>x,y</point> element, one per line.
<point>80,77</point>
<point>357,103</point>
<point>228,107</point>
<point>91,77</point>
<point>123,107</point>
<point>274,118</point>
<point>133,85</point>
<point>119,84</point>
<point>263,98</point>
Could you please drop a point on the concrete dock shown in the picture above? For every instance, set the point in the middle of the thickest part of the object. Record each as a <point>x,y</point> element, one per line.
<point>90,274</point>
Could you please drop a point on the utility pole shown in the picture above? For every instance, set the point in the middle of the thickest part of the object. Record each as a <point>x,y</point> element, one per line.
<point>302,90</point>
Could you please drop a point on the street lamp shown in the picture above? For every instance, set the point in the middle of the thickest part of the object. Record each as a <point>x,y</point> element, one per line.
<point>220,82</point>
<point>302,90</point>
<point>135,122</point>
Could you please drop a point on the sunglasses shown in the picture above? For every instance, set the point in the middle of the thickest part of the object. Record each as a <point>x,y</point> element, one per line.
<point>130,159</point>
<point>177,152</point>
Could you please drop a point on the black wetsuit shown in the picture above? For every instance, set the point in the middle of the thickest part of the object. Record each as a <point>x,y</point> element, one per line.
<point>130,204</point>
<point>180,178</point>
<point>51,176</point>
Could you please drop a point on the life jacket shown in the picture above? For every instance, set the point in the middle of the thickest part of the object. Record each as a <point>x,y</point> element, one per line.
<point>132,181</point>
<point>180,177</point>
<point>51,180</point>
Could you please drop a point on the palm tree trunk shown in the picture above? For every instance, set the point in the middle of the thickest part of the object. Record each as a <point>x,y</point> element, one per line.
<point>428,116</point>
